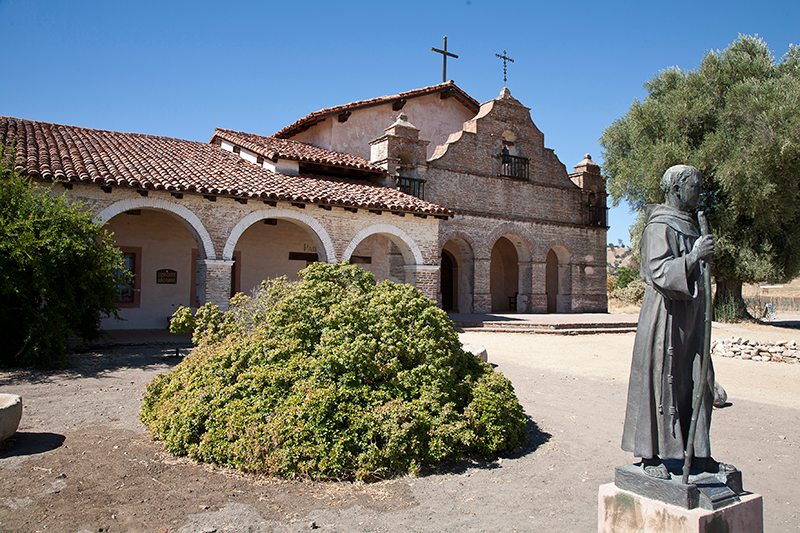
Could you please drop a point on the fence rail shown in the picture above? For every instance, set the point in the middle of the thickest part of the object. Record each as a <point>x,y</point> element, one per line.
<point>756,304</point>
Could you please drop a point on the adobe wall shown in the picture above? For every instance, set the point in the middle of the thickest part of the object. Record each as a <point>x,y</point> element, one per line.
<point>490,194</point>
<point>436,119</point>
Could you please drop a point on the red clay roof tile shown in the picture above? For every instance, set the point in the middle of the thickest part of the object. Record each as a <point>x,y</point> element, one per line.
<point>273,148</point>
<point>299,125</point>
<point>81,155</point>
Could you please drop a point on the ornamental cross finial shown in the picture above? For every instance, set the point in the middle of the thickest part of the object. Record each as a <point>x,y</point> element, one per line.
<point>445,55</point>
<point>505,58</point>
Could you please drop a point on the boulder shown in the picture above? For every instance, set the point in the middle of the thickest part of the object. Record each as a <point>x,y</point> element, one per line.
<point>720,396</point>
<point>478,350</point>
<point>10,415</point>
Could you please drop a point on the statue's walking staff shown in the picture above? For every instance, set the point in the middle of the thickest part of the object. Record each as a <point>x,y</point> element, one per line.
<point>700,388</point>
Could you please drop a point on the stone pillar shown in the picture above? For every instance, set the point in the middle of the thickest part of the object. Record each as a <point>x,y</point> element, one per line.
<point>482,301</point>
<point>525,278</point>
<point>538,300</point>
<point>457,294</point>
<point>564,298</point>
<point>425,278</point>
<point>215,287</point>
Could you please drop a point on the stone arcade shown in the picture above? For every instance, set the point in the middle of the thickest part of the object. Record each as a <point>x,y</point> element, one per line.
<point>526,235</point>
<point>427,187</point>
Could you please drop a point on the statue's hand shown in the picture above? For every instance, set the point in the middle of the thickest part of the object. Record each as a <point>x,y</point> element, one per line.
<point>703,247</point>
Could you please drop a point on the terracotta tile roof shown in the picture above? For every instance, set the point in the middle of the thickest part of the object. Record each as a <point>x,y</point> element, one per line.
<point>81,155</point>
<point>309,120</point>
<point>272,148</point>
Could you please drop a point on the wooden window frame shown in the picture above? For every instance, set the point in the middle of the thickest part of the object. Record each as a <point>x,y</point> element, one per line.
<point>137,277</point>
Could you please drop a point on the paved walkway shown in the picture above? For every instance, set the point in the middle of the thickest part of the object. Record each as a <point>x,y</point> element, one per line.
<point>565,324</point>
<point>143,337</point>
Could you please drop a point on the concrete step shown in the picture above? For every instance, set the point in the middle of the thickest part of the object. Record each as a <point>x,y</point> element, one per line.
<point>526,325</point>
<point>563,329</point>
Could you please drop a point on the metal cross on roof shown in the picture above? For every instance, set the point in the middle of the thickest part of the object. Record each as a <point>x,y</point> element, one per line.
<point>445,54</point>
<point>505,58</point>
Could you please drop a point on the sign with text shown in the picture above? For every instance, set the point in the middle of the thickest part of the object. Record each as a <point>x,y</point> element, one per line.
<point>166,276</point>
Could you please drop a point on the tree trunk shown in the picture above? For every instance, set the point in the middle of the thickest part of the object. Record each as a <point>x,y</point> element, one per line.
<point>729,294</point>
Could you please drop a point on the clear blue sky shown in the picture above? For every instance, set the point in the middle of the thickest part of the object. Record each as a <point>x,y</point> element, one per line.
<point>180,68</point>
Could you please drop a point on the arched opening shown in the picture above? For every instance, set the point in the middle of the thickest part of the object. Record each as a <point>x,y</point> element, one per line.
<point>270,248</point>
<point>504,276</point>
<point>187,218</point>
<point>551,281</point>
<point>448,281</point>
<point>158,249</point>
<point>379,255</point>
<point>461,257</point>
<point>386,251</point>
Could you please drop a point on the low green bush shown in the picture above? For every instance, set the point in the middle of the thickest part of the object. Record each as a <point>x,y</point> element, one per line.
<point>334,377</point>
<point>633,293</point>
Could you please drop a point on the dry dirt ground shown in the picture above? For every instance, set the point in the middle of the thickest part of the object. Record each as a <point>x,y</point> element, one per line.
<point>82,462</point>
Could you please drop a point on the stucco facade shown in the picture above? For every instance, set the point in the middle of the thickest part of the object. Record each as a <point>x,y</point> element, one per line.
<point>167,230</point>
<point>436,118</point>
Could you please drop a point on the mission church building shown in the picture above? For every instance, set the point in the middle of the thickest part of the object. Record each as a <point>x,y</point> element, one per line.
<point>426,187</point>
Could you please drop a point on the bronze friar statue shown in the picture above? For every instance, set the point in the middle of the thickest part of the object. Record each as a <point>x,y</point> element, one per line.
<point>668,351</point>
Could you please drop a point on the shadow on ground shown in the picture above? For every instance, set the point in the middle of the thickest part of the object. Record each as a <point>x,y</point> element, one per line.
<point>536,437</point>
<point>794,323</point>
<point>99,363</point>
<point>25,443</point>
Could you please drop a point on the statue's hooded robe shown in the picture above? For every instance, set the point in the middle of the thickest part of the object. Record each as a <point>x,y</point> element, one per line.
<point>668,350</point>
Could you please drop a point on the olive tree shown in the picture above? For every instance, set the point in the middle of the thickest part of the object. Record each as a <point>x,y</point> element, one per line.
<point>737,119</point>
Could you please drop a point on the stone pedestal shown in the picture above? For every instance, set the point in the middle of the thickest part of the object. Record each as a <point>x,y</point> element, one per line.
<point>621,511</point>
<point>705,490</point>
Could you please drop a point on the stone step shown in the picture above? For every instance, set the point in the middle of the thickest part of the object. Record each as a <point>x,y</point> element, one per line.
<point>562,329</point>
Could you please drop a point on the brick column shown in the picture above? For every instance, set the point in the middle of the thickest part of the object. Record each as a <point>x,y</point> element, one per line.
<point>564,298</point>
<point>538,301</point>
<point>215,286</point>
<point>525,278</point>
<point>425,278</point>
<point>482,300</point>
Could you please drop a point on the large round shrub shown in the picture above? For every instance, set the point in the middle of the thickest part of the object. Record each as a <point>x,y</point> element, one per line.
<point>332,376</point>
<point>59,271</point>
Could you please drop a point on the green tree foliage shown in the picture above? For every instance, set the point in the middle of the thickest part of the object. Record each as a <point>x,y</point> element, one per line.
<point>737,119</point>
<point>58,271</point>
<point>624,276</point>
<point>333,376</point>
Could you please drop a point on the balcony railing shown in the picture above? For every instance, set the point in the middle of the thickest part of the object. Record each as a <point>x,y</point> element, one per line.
<point>513,166</point>
<point>596,215</point>
<point>412,187</point>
